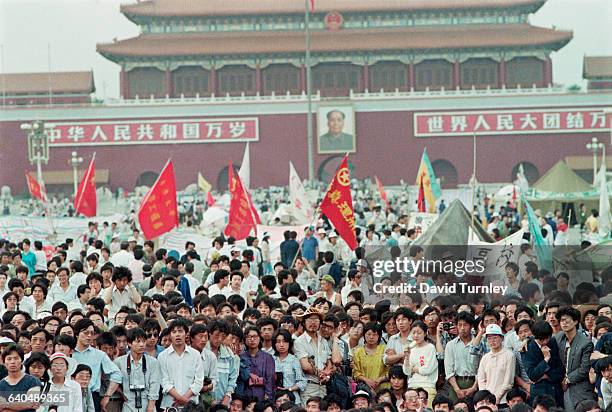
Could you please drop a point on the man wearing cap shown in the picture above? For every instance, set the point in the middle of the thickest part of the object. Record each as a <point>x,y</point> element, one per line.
<point>317,357</point>
<point>324,244</point>
<point>361,400</point>
<point>496,369</point>
<point>328,292</point>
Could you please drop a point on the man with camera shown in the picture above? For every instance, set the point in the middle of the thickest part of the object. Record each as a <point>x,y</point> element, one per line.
<point>140,374</point>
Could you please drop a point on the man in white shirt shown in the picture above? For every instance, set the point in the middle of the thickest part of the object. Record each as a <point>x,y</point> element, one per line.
<point>62,290</point>
<point>121,293</point>
<point>324,244</point>
<point>193,282</point>
<point>221,285</point>
<point>41,257</point>
<point>250,282</point>
<point>123,257</point>
<point>198,266</point>
<point>182,371</point>
<point>354,283</point>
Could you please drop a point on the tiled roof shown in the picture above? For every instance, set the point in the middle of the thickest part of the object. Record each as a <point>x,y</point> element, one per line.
<point>170,8</point>
<point>597,66</point>
<point>38,83</point>
<point>413,38</point>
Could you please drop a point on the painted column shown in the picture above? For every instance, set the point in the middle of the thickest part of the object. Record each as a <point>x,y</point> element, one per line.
<point>168,82</point>
<point>548,76</point>
<point>456,75</point>
<point>501,74</point>
<point>366,77</point>
<point>212,81</point>
<point>411,77</point>
<point>258,88</point>
<point>123,82</point>
<point>303,77</point>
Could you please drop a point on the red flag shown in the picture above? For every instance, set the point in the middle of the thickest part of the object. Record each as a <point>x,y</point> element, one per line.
<point>85,199</point>
<point>36,189</point>
<point>158,211</point>
<point>210,200</point>
<point>312,5</point>
<point>242,215</point>
<point>381,191</point>
<point>421,198</point>
<point>337,205</point>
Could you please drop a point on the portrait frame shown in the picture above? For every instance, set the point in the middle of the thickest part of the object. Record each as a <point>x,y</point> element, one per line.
<point>348,129</point>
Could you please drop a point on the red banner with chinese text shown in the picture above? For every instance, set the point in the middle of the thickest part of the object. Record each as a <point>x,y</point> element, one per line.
<point>158,212</point>
<point>159,131</point>
<point>36,189</point>
<point>85,201</point>
<point>337,205</point>
<point>508,122</point>
<point>241,217</point>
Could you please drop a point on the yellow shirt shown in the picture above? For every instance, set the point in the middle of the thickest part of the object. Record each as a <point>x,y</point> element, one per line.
<point>369,366</point>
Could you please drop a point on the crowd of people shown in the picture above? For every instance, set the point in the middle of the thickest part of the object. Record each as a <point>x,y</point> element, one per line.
<point>124,326</point>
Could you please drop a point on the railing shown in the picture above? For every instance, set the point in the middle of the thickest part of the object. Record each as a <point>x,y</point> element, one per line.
<point>488,92</point>
<point>228,99</point>
<point>302,97</point>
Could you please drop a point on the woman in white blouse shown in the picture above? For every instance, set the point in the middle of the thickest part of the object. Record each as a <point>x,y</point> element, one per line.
<point>420,363</point>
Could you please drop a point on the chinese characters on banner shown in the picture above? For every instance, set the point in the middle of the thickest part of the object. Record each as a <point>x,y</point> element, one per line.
<point>160,131</point>
<point>158,212</point>
<point>337,205</point>
<point>506,122</point>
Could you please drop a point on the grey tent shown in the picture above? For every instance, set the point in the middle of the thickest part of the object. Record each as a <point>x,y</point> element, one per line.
<point>451,228</point>
<point>449,233</point>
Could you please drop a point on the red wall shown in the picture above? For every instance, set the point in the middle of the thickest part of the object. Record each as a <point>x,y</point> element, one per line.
<point>385,147</point>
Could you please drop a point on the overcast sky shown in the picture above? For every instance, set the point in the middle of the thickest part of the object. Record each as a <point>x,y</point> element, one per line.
<point>72,28</point>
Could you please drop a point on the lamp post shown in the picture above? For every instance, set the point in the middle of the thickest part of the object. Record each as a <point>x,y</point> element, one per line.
<point>75,162</point>
<point>38,145</point>
<point>594,147</point>
<point>38,152</point>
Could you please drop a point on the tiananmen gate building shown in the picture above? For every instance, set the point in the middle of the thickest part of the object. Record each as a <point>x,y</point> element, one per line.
<point>389,78</point>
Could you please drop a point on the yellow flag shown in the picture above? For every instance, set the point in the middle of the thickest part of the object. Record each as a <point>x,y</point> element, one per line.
<point>203,183</point>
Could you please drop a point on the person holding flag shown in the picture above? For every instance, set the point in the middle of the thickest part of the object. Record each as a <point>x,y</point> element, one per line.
<point>429,188</point>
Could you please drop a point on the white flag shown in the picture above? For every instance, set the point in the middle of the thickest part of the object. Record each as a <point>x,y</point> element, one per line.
<point>245,169</point>
<point>495,255</point>
<point>604,203</point>
<point>521,180</point>
<point>301,206</point>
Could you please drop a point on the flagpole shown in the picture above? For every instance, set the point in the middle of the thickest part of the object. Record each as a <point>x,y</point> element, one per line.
<point>473,182</point>
<point>309,94</point>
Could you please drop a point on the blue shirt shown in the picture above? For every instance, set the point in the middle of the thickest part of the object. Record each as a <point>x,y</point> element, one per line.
<point>99,362</point>
<point>309,248</point>
<point>26,383</point>
<point>29,259</point>
<point>228,366</point>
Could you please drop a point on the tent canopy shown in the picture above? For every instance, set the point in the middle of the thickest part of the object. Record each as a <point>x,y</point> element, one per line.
<point>561,178</point>
<point>451,228</point>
